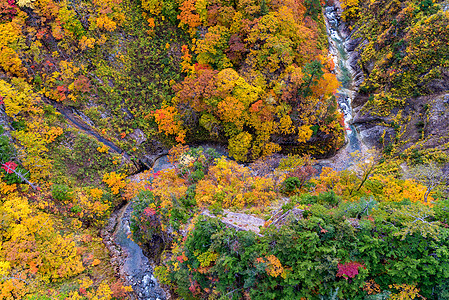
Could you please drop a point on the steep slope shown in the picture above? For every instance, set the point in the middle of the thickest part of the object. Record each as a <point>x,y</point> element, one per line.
<point>399,51</point>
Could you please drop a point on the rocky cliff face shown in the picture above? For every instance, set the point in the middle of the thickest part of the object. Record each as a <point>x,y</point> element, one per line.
<point>422,123</point>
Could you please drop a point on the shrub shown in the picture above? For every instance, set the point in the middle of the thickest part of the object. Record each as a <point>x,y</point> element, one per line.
<point>290,185</point>
<point>61,192</point>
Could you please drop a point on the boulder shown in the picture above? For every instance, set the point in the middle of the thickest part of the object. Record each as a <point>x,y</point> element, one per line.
<point>372,137</point>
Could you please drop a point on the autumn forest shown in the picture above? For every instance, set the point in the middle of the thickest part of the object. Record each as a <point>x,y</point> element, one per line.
<point>224,149</point>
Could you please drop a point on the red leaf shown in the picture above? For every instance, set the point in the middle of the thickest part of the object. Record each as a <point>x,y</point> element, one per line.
<point>9,167</point>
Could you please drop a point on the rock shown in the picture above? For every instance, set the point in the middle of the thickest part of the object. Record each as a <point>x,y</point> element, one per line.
<point>357,73</point>
<point>439,85</point>
<point>85,118</point>
<point>372,137</point>
<point>127,115</point>
<point>353,60</point>
<point>446,99</point>
<point>438,123</point>
<point>351,44</point>
<point>282,218</point>
<point>369,66</point>
<point>153,150</point>
<point>358,101</point>
<point>239,221</point>
<point>138,136</point>
<point>436,86</point>
<point>362,117</point>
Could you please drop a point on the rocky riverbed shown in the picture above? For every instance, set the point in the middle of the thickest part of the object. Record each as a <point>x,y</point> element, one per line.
<point>130,263</point>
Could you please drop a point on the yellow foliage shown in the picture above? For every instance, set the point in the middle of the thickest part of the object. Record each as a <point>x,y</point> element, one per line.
<point>85,283</point>
<point>395,190</point>
<point>304,133</point>
<point>228,81</point>
<point>4,268</point>
<point>230,185</point>
<point>168,185</point>
<point>153,6</point>
<point>233,111</point>
<point>168,121</point>
<point>20,102</point>
<point>275,268</point>
<point>96,193</point>
<point>186,63</point>
<point>86,42</point>
<point>188,16</point>
<point>103,292</point>
<point>32,151</point>
<point>114,181</point>
<point>12,289</point>
<point>52,133</point>
<point>10,61</point>
<point>16,100</point>
<point>151,22</point>
<point>405,292</point>
<point>74,295</point>
<point>104,22</point>
<point>205,259</point>
<point>201,8</point>
<point>6,188</point>
<point>350,9</point>
<point>25,3</point>
<point>207,48</point>
<point>94,210</point>
<point>60,258</point>
<point>9,36</point>
<point>385,188</point>
<point>102,40</point>
<point>133,188</point>
<point>239,146</point>
<point>269,148</point>
<point>103,149</point>
<point>286,125</point>
<point>32,242</point>
<point>326,86</point>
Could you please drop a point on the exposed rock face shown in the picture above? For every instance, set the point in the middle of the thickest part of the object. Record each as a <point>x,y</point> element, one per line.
<point>353,59</point>
<point>436,127</point>
<point>425,120</point>
<point>427,117</point>
<point>238,221</point>
<point>138,136</point>
<point>439,85</point>
<point>446,99</point>
<point>154,150</point>
<point>283,217</point>
<point>376,136</point>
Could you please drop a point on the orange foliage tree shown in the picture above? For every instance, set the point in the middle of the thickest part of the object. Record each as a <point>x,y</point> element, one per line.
<point>276,98</point>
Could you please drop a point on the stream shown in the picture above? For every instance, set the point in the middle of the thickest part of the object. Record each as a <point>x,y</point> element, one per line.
<point>127,256</point>
<point>345,93</point>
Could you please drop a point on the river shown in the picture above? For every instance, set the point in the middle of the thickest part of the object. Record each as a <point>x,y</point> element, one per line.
<point>134,266</point>
<point>345,93</point>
